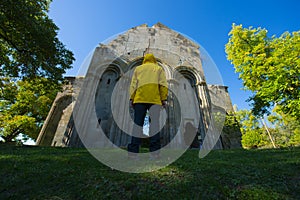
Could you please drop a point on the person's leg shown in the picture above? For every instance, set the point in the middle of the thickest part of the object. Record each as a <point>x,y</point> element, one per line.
<point>154,128</point>
<point>137,131</point>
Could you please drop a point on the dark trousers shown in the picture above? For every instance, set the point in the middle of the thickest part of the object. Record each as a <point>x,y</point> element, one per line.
<point>140,110</point>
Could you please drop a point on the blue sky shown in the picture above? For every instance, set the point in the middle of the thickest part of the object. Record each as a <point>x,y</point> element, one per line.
<point>86,23</point>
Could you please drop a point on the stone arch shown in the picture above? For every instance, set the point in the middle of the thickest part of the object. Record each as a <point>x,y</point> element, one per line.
<point>104,90</point>
<point>117,65</point>
<point>167,69</point>
<point>120,65</point>
<point>54,121</point>
<point>188,75</point>
<point>136,62</point>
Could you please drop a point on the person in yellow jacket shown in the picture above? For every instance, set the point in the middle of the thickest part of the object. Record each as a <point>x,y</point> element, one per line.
<point>148,91</point>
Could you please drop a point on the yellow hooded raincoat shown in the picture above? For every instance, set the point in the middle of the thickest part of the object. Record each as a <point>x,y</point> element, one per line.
<point>148,84</point>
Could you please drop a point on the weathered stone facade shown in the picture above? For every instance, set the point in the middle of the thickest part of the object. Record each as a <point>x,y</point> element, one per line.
<point>88,100</point>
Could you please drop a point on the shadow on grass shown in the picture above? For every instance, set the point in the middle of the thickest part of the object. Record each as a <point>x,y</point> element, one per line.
<point>66,173</point>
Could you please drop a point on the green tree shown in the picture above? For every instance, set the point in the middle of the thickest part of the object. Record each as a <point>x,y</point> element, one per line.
<point>24,105</point>
<point>283,130</point>
<point>32,64</point>
<point>253,135</point>
<point>269,67</point>
<point>286,129</point>
<point>29,46</point>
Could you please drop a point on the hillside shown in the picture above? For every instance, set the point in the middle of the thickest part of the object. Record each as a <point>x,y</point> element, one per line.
<point>63,173</point>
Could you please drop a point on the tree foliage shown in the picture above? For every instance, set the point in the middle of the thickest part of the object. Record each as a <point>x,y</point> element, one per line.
<point>29,46</point>
<point>24,105</point>
<point>252,133</point>
<point>32,64</point>
<point>284,130</point>
<point>269,67</point>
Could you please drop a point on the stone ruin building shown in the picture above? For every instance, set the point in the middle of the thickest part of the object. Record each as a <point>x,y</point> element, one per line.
<point>91,95</point>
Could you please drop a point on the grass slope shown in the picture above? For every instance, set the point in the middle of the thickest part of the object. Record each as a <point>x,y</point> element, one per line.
<point>65,173</point>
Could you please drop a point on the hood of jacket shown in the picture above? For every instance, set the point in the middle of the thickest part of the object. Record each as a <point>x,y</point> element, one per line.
<point>149,58</point>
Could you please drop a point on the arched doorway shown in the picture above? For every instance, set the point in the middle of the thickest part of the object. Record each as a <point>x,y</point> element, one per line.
<point>57,119</point>
<point>192,124</point>
<point>103,95</point>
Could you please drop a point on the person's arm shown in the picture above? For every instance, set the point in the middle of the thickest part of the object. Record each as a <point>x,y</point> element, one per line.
<point>133,86</point>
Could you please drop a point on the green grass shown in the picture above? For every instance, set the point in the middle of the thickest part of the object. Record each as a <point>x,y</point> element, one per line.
<point>66,173</point>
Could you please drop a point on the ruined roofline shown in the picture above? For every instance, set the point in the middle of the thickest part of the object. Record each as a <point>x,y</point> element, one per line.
<point>182,36</point>
<point>158,25</point>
